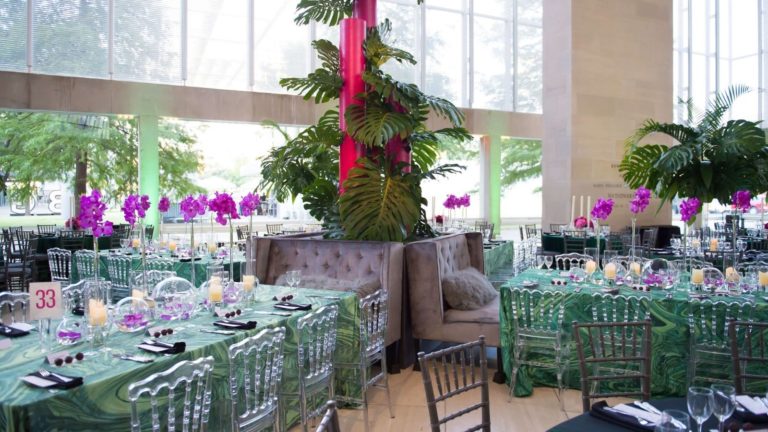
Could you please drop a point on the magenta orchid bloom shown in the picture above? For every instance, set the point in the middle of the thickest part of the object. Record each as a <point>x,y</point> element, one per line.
<point>689,208</point>
<point>641,200</point>
<point>602,209</point>
<point>92,214</point>
<point>223,205</point>
<point>163,205</point>
<point>191,207</point>
<point>249,204</point>
<point>741,199</point>
<point>135,206</point>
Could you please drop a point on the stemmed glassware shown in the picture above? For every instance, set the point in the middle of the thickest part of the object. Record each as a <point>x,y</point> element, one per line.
<point>673,421</point>
<point>293,278</point>
<point>540,261</point>
<point>700,404</point>
<point>548,260</point>
<point>723,402</point>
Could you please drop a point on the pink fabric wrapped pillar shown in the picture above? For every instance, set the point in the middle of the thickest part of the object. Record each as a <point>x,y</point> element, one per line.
<point>352,67</point>
<point>365,10</point>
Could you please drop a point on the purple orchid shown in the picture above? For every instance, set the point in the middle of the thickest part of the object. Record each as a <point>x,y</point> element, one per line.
<point>741,199</point>
<point>164,205</point>
<point>464,201</point>
<point>135,206</point>
<point>191,207</point>
<point>92,214</point>
<point>641,200</point>
<point>602,209</point>
<point>249,203</point>
<point>652,279</point>
<point>450,202</point>
<point>224,206</point>
<point>689,208</point>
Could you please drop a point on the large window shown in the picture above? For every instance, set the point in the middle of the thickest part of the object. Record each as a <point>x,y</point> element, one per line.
<point>719,43</point>
<point>476,53</point>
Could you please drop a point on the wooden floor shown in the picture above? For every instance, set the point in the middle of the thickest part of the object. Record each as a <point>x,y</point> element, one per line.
<point>538,412</point>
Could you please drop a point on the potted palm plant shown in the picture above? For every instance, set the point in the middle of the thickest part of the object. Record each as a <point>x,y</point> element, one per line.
<point>382,195</point>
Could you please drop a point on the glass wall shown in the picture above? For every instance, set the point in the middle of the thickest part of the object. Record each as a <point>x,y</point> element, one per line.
<point>719,43</point>
<point>476,53</point>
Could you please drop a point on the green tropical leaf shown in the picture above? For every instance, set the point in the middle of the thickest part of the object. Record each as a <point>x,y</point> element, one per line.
<point>377,49</point>
<point>329,12</point>
<point>637,165</point>
<point>719,105</point>
<point>328,53</point>
<point>379,202</point>
<point>320,198</point>
<point>375,124</point>
<point>320,84</point>
<point>736,138</point>
<point>681,133</point>
<point>675,158</point>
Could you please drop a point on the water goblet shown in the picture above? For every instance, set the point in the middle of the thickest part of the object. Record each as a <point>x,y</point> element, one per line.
<point>723,403</point>
<point>293,278</point>
<point>699,404</point>
<point>673,421</point>
<point>540,261</point>
<point>548,260</point>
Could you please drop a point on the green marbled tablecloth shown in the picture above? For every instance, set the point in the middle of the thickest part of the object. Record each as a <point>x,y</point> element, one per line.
<point>101,403</point>
<point>670,344</point>
<point>182,268</point>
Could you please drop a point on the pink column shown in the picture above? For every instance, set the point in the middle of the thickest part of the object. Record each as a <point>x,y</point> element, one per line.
<point>352,67</point>
<point>365,10</point>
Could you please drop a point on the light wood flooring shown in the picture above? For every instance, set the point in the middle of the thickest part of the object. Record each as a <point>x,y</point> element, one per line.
<point>538,412</point>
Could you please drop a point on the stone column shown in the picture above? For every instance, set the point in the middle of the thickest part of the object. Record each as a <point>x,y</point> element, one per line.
<point>607,68</point>
<point>149,167</point>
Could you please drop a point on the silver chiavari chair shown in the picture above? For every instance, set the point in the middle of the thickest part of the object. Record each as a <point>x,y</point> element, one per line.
<point>119,268</point>
<point>14,307</point>
<point>72,296</point>
<point>569,260</point>
<point>85,263</point>
<point>255,371</point>
<point>60,263</point>
<point>192,379</point>
<point>162,264</point>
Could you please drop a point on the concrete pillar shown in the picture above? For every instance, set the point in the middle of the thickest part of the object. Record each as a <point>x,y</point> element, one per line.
<point>601,81</point>
<point>490,185</point>
<point>149,166</point>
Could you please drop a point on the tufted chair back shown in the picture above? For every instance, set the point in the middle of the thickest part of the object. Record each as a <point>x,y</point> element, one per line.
<point>271,257</point>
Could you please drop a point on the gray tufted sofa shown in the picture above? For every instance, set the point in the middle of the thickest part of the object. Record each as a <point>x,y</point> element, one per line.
<point>347,260</point>
<point>427,261</point>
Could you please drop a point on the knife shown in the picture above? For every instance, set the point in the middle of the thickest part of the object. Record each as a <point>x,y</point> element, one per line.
<point>221,332</point>
<point>282,314</point>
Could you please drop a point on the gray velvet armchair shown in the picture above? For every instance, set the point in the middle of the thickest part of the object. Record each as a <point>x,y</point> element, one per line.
<point>338,260</point>
<point>427,262</point>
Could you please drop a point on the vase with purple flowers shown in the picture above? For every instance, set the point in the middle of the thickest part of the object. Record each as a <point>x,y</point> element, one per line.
<point>600,212</point>
<point>638,205</point>
<point>70,330</point>
<point>225,209</point>
<point>92,216</point>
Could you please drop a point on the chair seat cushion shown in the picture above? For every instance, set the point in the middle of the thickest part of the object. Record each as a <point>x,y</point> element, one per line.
<point>467,289</point>
<point>487,314</point>
<point>362,286</point>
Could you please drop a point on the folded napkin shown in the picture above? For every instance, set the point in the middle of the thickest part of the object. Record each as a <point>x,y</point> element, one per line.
<point>162,347</point>
<point>602,411</point>
<point>78,310</point>
<point>232,324</point>
<point>52,380</point>
<point>11,331</point>
<point>286,305</point>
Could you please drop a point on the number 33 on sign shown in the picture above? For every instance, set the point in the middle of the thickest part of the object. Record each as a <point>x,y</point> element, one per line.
<point>45,300</point>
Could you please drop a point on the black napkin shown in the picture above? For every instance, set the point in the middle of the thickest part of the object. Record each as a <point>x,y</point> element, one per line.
<point>232,324</point>
<point>748,416</point>
<point>286,305</point>
<point>598,411</point>
<point>175,348</point>
<point>78,310</point>
<point>61,381</point>
<point>188,259</point>
<point>11,332</point>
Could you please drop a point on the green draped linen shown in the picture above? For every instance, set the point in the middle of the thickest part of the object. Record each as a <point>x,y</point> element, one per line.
<point>101,403</point>
<point>671,336</point>
<point>47,242</point>
<point>182,268</point>
<point>497,255</point>
<point>556,243</point>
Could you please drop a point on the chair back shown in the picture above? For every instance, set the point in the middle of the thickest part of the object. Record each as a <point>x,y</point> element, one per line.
<point>60,263</point>
<point>72,240</point>
<point>556,228</point>
<point>373,323</point>
<point>154,277</point>
<point>119,268</point>
<point>85,263</point>
<point>14,307</point>
<point>46,230</point>
<point>566,261</point>
<point>536,310</point>
<point>274,229</point>
<point>255,370</point>
<point>708,321</point>
<point>149,231</point>
<point>649,237</point>
<point>627,260</point>
<point>613,352</point>
<point>749,351</point>
<point>574,242</point>
<point>452,372</point>
<point>72,296</point>
<point>243,231</point>
<point>119,232</point>
<point>330,421</point>
<point>193,378</point>
<point>531,231</point>
<point>317,344</point>
<point>163,264</point>
<point>620,308</point>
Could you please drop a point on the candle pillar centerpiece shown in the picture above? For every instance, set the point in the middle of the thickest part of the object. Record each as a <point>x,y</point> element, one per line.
<point>600,212</point>
<point>742,201</point>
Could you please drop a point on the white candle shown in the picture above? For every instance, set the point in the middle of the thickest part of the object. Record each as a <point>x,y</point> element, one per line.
<point>97,313</point>
<point>697,276</point>
<point>248,282</point>
<point>215,292</point>
<point>589,210</point>
<point>590,266</point>
<point>635,268</point>
<point>762,278</point>
<point>732,275</point>
<point>581,206</point>
<point>610,271</point>
<point>573,208</point>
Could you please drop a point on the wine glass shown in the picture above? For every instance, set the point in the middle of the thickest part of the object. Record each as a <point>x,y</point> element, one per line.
<point>723,402</point>
<point>700,404</point>
<point>673,421</point>
<point>293,278</point>
<point>540,261</point>
<point>487,235</point>
<point>548,261</point>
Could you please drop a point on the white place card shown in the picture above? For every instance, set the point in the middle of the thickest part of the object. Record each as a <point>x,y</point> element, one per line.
<point>45,301</point>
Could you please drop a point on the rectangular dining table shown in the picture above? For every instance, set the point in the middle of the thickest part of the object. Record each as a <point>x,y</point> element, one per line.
<point>102,404</point>
<point>669,319</point>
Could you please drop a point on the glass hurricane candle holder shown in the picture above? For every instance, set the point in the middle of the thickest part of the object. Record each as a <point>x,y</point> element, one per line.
<point>70,331</point>
<point>131,315</point>
<point>714,280</point>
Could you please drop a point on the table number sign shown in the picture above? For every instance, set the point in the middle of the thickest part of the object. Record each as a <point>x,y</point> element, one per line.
<point>45,301</point>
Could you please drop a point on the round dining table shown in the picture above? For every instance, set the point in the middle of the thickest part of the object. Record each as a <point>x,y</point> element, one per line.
<point>588,422</point>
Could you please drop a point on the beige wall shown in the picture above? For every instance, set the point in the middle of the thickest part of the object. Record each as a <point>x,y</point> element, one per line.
<point>25,91</point>
<point>607,68</point>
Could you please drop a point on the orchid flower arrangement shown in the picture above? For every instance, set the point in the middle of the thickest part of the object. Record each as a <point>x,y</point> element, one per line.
<point>453,202</point>
<point>224,207</point>
<point>641,200</point>
<point>602,209</point>
<point>581,222</point>
<point>742,200</point>
<point>164,205</point>
<point>192,207</point>
<point>249,204</point>
<point>689,208</point>
<point>135,206</point>
<point>92,214</point>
